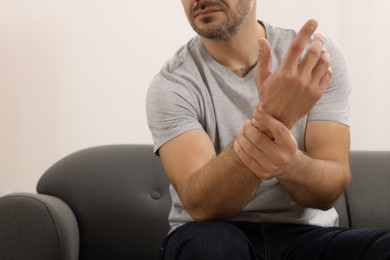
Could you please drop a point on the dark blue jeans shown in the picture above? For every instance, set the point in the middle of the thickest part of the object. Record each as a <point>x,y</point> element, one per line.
<point>258,241</point>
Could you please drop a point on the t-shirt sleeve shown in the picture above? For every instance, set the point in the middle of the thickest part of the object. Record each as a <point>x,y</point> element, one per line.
<point>334,103</point>
<point>171,110</point>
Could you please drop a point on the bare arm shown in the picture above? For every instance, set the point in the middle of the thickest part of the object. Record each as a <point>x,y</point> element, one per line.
<point>315,179</point>
<point>211,187</point>
<point>323,173</point>
<point>218,186</point>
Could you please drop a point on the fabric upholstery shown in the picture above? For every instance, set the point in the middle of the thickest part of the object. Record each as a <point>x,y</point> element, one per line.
<point>112,202</point>
<point>342,210</point>
<point>369,190</point>
<point>120,197</point>
<point>37,227</point>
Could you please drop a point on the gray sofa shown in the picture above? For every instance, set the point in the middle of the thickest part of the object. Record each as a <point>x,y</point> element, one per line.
<point>112,202</point>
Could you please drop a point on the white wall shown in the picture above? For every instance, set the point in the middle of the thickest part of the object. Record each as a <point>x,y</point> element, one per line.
<point>74,73</point>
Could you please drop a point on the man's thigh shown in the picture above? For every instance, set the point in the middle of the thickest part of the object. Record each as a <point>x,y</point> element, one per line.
<point>258,241</point>
<point>310,242</point>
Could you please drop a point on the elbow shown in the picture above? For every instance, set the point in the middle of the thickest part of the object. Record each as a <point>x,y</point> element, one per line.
<point>201,213</point>
<point>326,205</point>
<point>202,208</point>
<point>320,204</point>
<point>196,211</point>
<point>206,211</point>
<point>337,193</point>
<point>202,218</point>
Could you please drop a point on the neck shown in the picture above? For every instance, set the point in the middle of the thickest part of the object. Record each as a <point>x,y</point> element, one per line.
<point>242,47</point>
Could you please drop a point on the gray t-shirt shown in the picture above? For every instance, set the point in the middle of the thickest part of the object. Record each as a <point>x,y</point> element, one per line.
<point>193,91</point>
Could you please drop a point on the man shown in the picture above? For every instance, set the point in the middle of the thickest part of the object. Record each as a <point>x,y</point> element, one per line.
<point>251,124</point>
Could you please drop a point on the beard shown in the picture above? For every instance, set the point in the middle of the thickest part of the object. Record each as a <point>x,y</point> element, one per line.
<point>226,29</point>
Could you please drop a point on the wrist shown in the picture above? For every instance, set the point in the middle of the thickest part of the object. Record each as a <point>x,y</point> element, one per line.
<point>294,168</point>
<point>288,122</point>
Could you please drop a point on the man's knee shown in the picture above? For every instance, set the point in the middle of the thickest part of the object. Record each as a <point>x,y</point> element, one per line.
<point>211,240</point>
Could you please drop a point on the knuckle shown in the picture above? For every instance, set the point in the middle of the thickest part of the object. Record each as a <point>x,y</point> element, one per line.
<point>293,147</point>
<point>266,176</point>
<point>280,130</point>
<point>312,92</point>
<point>282,159</point>
<point>329,73</point>
<point>258,170</point>
<point>286,75</point>
<point>297,47</point>
<point>302,81</point>
<point>317,95</point>
<point>324,61</point>
<point>262,174</point>
<point>320,38</point>
<point>273,169</point>
<point>314,52</point>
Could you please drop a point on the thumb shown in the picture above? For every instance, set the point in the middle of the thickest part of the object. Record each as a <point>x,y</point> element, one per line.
<point>263,62</point>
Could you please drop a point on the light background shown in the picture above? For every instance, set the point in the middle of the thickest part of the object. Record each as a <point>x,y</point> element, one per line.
<point>74,74</point>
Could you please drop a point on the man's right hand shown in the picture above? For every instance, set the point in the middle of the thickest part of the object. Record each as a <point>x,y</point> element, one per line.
<point>291,91</point>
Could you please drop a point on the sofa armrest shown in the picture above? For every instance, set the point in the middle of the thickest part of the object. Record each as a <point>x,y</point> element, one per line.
<point>35,226</point>
<point>368,193</point>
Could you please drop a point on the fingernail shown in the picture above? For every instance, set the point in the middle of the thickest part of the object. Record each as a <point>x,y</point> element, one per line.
<point>312,25</point>
<point>320,37</point>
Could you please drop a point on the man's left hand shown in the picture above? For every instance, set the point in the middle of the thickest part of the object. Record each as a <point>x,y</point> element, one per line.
<point>267,155</point>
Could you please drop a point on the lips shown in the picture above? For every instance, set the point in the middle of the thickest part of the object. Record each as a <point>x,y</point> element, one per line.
<point>208,7</point>
<point>206,11</point>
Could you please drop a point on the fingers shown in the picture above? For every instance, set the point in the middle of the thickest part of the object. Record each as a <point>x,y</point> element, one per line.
<point>275,129</point>
<point>296,48</point>
<point>325,80</point>
<point>259,139</point>
<point>249,162</point>
<point>249,139</point>
<point>321,67</point>
<point>315,52</point>
<point>263,61</point>
<point>315,66</point>
<point>264,156</point>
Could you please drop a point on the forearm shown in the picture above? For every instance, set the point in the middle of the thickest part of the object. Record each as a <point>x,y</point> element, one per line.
<point>315,183</point>
<point>219,189</point>
<point>315,180</point>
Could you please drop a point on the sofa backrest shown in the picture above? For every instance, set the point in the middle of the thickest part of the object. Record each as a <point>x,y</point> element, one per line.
<point>120,197</point>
